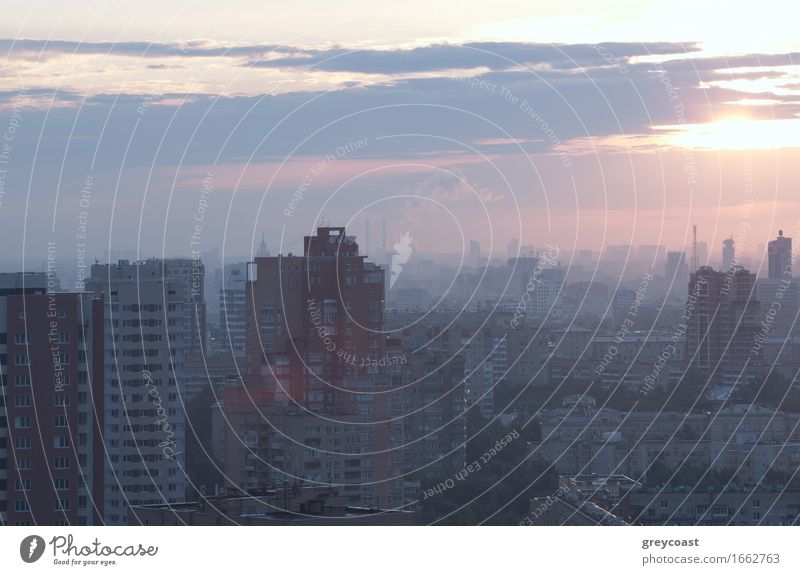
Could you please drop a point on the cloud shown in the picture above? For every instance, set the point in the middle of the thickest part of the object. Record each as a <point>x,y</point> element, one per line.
<point>491,55</point>
<point>194,49</point>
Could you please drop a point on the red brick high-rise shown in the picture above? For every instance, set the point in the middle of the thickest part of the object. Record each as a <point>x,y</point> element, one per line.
<point>54,409</point>
<point>316,405</point>
<point>315,323</point>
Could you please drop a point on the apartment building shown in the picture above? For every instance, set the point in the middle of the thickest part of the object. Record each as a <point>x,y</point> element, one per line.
<point>318,376</point>
<point>749,439</point>
<point>147,334</point>
<point>51,404</point>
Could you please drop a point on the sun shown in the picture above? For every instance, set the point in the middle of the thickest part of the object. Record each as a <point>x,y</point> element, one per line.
<point>735,133</point>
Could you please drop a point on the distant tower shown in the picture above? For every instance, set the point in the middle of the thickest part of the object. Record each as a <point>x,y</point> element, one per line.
<point>695,254</point>
<point>512,248</point>
<point>263,252</point>
<point>728,254</point>
<point>779,252</point>
<point>366,237</point>
<point>474,252</point>
<point>702,253</point>
<point>384,236</point>
<point>676,273</point>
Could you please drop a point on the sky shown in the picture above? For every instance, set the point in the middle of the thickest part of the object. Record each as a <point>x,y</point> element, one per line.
<point>165,128</point>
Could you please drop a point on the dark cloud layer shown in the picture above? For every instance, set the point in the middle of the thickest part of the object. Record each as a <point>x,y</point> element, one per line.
<point>493,55</point>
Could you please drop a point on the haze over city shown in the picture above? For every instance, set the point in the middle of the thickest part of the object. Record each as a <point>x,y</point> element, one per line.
<point>664,128</point>
<point>399,264</point>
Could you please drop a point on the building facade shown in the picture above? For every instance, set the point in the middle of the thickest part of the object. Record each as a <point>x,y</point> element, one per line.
<point>146,338</point>
<point>51,408</point>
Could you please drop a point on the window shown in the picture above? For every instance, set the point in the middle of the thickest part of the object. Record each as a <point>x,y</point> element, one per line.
<point>22,484</point>
<point>61,484</point>
<point>61,421</point>
<point>61,400</point>
<point>23,422</point>
<point>60,504</point>
<point>24,463</point>
<point>61,463</point>
<point>22,380</point>
<point>22,338</point>
<point>21,506</point>
<point>23,401</point>
<point>22,442</point>
<point>61,441</point>
<point>21,359</point>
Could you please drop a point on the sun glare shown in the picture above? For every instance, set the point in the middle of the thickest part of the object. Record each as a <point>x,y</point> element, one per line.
<point>735,134</point>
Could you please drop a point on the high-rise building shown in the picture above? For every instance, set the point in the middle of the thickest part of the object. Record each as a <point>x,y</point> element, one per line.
<point>317,366</point>
<point>512,248</point>
<point>485,363</point>
<point>233,309</point>
<point>548,287</point>
<point>676,273</point>
<point>315,317</point>
<point>722,321</point>
<point>149,310</point>
<point>702,253</point>
<point>51,405</point>
<point>188,276</point>
<point>474,253</point>
<point>779,252</point>
<point>782,298</point>
<point>434,419</point>
<point>728,254</point>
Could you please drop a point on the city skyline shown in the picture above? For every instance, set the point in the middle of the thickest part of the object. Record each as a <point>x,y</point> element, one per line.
<point>399,264</point>
<point>595,138</point>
